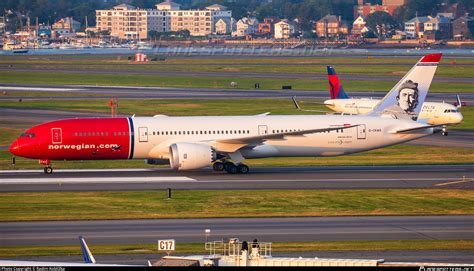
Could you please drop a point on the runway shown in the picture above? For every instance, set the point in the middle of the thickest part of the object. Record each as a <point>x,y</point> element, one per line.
<point>296,229</point>
<point>378,177</point>
<point>83,92</point>
<point>224,74</point>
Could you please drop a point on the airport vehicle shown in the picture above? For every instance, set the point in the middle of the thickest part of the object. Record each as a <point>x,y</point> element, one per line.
<point>433,112</point>
<point>188,143</point>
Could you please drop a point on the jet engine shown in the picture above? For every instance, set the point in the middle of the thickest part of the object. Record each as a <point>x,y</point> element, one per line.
<point>187,156</point>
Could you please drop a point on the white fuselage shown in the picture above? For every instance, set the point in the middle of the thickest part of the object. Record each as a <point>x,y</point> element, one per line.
<point>154,135</point>
<point>435,113</point>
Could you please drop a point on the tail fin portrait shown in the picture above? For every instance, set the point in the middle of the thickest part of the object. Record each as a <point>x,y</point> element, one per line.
<point>335,88</point>
<point>406,98</point>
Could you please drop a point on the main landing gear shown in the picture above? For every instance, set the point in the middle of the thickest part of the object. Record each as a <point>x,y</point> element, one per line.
<point>231,168</point>
<point>47,163</point>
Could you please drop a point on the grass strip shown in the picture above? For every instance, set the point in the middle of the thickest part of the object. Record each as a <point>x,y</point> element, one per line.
<point>47,206</point>
<point>198,248</point>
<point>107,79</point>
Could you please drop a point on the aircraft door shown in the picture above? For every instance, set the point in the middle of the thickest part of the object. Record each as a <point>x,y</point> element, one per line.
<point>361,131</point>
<point>262,129</point>
<point>142,134</point>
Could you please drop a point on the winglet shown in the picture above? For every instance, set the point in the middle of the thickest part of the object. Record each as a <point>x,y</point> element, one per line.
<point>459,102</point>
<point>87,254</point>
<point>295,103</point>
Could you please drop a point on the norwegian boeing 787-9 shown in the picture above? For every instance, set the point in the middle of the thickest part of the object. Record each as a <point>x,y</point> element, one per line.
<point>188,143</point>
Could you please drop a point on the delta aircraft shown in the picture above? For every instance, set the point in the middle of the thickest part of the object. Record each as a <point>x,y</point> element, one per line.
<point>434,112</point>
<point>188,143</point>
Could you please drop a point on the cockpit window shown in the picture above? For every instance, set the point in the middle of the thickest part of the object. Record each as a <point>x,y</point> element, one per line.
<point>29,135</point>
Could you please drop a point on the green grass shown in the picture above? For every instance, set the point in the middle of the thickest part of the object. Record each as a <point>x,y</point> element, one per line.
<point>198,248</point>
<point>189,107</point>
<point>443,71</point>
<point>47,206</point>
<point>106,79</point>
<point>170,60</point>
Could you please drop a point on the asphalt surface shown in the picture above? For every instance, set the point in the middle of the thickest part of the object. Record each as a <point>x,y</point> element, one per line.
<point>75,92</point>
<point>294,229</point>
<point>229,74</point>
<point>445,256</point>
<point>355,177</point>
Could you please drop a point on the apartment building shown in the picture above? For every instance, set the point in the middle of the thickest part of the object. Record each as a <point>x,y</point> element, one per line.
<point>128,22</point>
<point>123,21</point>
<point>388,6</point>
<point>284,30</point>
<point>246,26</point>
<point>331,26</point>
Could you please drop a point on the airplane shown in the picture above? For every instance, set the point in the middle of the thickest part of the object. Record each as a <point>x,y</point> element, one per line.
<point>189,143</point>
<point>434,112</point>
<point>89,260</point>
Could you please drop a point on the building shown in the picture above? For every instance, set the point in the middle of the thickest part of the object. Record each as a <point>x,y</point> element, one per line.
<point>66,27</point>
<point>3,24</point>
<point>123,21</point>
<point>267,26</point>
<point>128,22</point>
<point>359,27</point>
<point>440,27</point>
<point>331,26</point>
<point>246,26</point>
<point>388,6</point>
<point>284,30</point>
<point>415,27</point>
<point>463,28</point>
<point>223,28</point>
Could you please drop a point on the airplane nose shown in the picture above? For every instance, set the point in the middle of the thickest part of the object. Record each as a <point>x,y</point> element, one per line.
<point>459,117</point>
<point>15,148</point>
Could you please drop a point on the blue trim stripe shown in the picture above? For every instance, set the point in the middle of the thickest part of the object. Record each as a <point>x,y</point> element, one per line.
<point>132,138</point>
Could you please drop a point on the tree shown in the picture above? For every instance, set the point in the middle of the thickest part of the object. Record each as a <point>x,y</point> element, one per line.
<point>381,23</point>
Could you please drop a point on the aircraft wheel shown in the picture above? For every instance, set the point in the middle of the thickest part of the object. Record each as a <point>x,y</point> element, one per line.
<point>218,166</point>
<point>230,168</point>
<point>48,170</point>
<point>444,133</point>
<point>243,169</point>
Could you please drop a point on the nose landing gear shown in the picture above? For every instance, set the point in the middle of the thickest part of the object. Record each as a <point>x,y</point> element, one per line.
<point>48,170</point>
<point>444,132</point>
<point>47,163</point>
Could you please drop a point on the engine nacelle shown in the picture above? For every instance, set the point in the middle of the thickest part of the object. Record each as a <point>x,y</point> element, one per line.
<point>187,156</point>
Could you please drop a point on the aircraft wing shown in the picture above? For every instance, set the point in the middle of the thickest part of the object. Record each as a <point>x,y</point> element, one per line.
<point>231,145</point>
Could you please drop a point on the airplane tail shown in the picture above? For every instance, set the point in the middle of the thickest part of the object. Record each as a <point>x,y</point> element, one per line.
<point>335,88</point>
<point>87,254</point>
<point>406,98</point>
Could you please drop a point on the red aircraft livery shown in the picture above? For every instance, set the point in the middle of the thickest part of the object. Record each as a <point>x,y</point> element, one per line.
<point>77,139</point>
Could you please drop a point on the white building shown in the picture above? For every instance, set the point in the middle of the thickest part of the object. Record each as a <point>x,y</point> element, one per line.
<point>359,26</point>
<point>246,26</point>
<point>415,27</point>
<point>222,28</point>
<point>127,22</point>
<point>284,29</point>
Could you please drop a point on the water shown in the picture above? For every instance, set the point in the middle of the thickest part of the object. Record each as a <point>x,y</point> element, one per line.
<point>218,51</point>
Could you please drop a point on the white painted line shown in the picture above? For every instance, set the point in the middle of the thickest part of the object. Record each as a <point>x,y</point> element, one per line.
<point>80,170</point>
<point>97,180</point>
<point>40,89</point>
<point>329,180</point>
